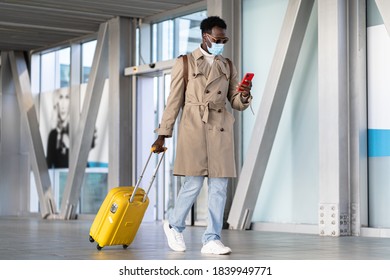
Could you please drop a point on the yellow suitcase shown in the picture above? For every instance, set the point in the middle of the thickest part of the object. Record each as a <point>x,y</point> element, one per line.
<point>121,213</point>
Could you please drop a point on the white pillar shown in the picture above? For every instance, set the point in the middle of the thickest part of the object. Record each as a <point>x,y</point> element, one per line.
<point>333,118</point>
<point>29,120</point>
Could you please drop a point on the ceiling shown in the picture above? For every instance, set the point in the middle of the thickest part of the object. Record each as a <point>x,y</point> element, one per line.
<point>27,25</point>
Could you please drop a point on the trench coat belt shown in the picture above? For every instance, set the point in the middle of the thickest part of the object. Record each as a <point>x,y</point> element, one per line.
<point>207,106</point>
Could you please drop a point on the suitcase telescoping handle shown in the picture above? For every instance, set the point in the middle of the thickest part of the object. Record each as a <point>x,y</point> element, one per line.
<point>142,175</point>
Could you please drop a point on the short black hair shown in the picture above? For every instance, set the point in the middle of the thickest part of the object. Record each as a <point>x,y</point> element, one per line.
<point>208,23</point>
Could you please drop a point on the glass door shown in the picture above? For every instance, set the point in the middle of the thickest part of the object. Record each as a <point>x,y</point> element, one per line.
<point>152,93</point>
<point>153,89</point>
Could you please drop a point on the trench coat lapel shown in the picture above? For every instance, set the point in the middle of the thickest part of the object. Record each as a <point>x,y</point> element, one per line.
<point>218,69</point>
<point>202,67</point>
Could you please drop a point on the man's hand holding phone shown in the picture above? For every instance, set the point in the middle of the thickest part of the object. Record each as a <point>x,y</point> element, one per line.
<point>245,86</point>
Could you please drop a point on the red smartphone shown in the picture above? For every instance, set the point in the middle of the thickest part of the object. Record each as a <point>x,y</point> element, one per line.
<point>247,77</point>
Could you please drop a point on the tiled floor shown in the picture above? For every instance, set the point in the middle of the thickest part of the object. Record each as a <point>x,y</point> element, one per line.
<point>37,239</point>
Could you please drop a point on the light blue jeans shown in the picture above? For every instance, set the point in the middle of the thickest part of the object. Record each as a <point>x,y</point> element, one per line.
<point>216,205</point>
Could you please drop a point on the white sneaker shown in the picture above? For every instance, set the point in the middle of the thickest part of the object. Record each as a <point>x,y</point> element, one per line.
<point>175,239</point>
<point>215,247</point>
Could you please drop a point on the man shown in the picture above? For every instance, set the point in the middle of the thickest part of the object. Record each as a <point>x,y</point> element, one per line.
<point>205,141</point>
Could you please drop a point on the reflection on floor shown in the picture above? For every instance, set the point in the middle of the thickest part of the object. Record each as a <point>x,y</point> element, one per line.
<point>36,239</point>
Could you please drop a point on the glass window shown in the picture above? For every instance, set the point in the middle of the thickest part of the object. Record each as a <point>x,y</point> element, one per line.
<point>167,40</point>
<point>163,40</point>
<point>295,148</point>
<point>88,51</point>
<point>138,55</point>
<point>55,70</point>
<point>93,191</point>
<point>179,36</point>
<point>54,73</point>
<point>64,65</point>
<point>189,34</point>
<point>154,42</point>
<point>378,88</point>
<point>48,72</point>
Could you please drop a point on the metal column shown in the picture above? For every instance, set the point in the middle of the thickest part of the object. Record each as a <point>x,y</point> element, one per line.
<point>86,127</point>
<point>121,152</point>
<point>28,111</point>
<point>358,115</point>
<point>75,81</point>
<point>270,111</point>
<point>231,12</point>
<point>333,118</point>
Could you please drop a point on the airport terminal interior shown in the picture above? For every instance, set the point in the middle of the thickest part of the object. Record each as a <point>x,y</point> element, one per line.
<point>83,87</point>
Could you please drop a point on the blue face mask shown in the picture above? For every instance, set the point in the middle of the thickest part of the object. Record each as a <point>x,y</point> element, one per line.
<point>215,49</point>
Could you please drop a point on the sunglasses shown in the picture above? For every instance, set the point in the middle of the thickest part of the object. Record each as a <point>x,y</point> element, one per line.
<point>218,40</point>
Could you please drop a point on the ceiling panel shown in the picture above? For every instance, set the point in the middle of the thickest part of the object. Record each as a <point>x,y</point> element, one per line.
<point>28,25</point>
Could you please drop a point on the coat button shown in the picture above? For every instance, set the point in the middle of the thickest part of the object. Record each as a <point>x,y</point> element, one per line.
<point>219,92</point>
<point>222,129</point>
<point>207,91</point>
<point>219,110</point>
<point>193,74</point>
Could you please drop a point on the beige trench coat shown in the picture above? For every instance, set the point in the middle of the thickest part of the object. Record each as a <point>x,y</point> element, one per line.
<point>205,144</point>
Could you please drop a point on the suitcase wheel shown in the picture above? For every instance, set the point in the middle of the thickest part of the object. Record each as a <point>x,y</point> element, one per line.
<point>98,247</point>
<point>125,246</point>
<point>91,239</point>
